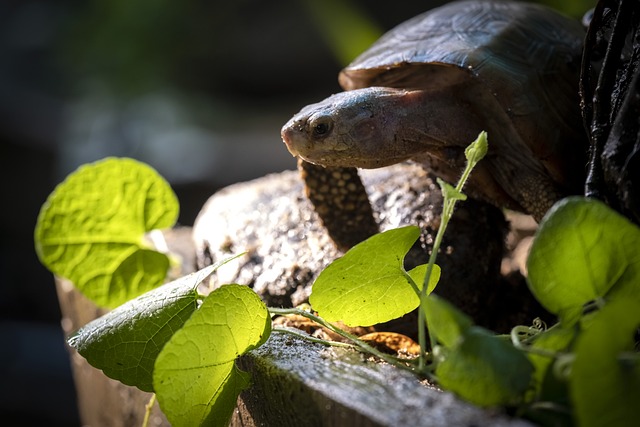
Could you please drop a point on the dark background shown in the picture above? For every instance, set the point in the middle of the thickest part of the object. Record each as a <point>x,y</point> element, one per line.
<point>197,89</point>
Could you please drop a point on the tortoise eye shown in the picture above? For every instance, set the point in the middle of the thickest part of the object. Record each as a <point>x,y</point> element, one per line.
<point>321,127</point>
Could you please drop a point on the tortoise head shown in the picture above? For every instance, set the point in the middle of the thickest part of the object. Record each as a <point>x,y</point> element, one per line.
<point>357,128</point>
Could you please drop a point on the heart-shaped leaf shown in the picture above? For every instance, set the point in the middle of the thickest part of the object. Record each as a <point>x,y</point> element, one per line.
<point>125,342</point>
<point>195,378</point>
<point>485,369</point>
<point>91,229</point>
<point>369,284</point>
<point>582,250</point>
<point>605,376</point>
<point>445,322</point>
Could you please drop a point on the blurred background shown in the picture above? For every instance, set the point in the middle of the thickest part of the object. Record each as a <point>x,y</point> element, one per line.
<point>197,89</point>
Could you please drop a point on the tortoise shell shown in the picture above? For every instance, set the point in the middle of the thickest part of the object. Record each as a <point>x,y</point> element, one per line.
<point>428,86</point>
<point>526,55</point>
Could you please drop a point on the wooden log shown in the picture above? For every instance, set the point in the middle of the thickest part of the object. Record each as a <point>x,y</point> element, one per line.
<point>299,383</point>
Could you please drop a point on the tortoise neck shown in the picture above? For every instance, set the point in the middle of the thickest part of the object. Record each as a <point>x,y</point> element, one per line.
<point>435,118</point>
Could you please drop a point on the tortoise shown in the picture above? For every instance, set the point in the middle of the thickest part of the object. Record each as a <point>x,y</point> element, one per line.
<point>426,89</point>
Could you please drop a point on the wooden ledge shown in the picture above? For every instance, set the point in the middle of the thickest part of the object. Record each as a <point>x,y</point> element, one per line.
<point>298,383</point>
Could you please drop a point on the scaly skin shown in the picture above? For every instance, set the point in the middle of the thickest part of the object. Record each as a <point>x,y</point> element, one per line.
<point>375,127</point>
<point>341,202</point>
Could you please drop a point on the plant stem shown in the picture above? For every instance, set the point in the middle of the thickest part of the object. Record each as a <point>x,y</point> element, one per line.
<point>303,335</point>
<point>422,318</point>
<point>525,344</point>
<point>147,410</point>
<point>413,284</point>
<point>474,153</point>
<point>358,343</point>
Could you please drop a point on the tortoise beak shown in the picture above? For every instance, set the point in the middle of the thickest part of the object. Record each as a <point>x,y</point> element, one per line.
<point>292,135</point>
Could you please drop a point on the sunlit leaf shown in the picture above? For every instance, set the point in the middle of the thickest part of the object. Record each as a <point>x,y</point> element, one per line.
<point>605,376</point>
<point>125,342</point>
<point>91,229</point>
<point>369,284</point>
<point>195,378</point>
<point>581,251</point>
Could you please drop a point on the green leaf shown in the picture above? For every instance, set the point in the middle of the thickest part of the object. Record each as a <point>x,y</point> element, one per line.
<point>449,192</point>
<point>605,377</point>
<point>91,229</point>
<point>125,342</point>
<point>418,275</point>
<point>485,369</point>
<point>369,284</point>
<point>446,323</point>
<point>581,251</point>
<point>554,341</point>
<point>195,378</point>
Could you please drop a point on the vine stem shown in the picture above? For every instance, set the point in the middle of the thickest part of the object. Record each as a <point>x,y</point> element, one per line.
<point>147,410</point>
<point>358,343</point>
<point>311,338</point>
<point>422,316</point>
<point>523,345</point>
<point>473,153</point>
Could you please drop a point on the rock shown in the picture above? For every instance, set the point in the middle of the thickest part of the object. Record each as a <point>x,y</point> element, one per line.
<point>286,246</point>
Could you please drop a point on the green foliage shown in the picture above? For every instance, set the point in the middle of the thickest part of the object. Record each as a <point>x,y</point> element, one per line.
<point>92,229</point>
<point>584,266</point>
<point>474,153</point>
<point>605,376</point>
<point>446,324</point>
<point>369,284</point>
<point>484,369</point>
<point>125,342</point>
<point>548,346</point>
<point>195,377</point>
<point>451,195</point>
<point>471,361</point>
<point>583,250</point>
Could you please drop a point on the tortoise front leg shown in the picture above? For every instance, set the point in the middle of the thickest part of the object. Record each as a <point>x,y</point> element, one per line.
<point>339,198</point>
